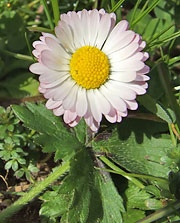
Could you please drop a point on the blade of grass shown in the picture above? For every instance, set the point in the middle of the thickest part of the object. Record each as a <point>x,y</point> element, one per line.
<point>56,12</point>
<point>113,3</point>
<point>95,5</point>
<point>123,173</point>
<point>145,12</point>
<point>166,39</point>
<point>134,10</point>
<point>117,5</point>
<point>156,36</point>
<point>48,14</point>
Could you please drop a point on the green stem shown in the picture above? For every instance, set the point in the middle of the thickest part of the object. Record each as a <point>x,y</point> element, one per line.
<point>170,96</point>
<point>122,172</point>
<point>39,29</point>
<point>36,190</point>
<point>17,55</point>
<point>29,46</point>
<point>161,213</point>
<point>118,4</point>
<point>135,175</point>
<point>48,14</point>
<point>56,12</point>
<point>134,10</point>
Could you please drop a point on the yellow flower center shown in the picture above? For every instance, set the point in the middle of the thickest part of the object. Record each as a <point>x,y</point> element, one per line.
<point>89,67</point>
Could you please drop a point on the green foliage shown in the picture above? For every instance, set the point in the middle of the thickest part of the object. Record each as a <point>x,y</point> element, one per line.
<point>141,146</point>
<point>84,196</point>
<point>13,141</point>
<point>55,137</point>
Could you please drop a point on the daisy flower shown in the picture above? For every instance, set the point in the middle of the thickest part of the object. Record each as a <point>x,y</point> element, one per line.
<point>91,67</point>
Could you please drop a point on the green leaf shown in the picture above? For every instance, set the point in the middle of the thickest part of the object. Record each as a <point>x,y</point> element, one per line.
<point>112,202</point>
<point>14,165</point>
<point>139,198</point>
<point>55,136</point>
<point>136,149</point>
<point>157,108</point>
<point>164,11</point>
<point>78,199</point>
<point>21,85</point>
<point>80,131</point>
<point>133,215</point>
<point>8,165</point>
<point>62,149</point>
<point>86,195</point>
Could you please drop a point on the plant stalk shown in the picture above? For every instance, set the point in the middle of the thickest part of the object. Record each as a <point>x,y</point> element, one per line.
<point>56,12</point>
<point>17,55</point>
<point>35,191</point>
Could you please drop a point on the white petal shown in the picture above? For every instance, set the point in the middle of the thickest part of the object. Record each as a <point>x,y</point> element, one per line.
<point>92,123</point>
<point>146,56</point>
<point>77,30</point>
<point>85,20</point>
<point>111,116</point>
<point>64,34</point>
<point>70,100</point>
<point>50,104</point>
<point>123,53</point>
<point>142,78</point>
<point>51,76</point>
<point>63,90</point>
<point>56,82</point>
<point>123,76</point>
<point>37,68</point>
<point>93,106</point>
<point>102,102</point>
<point>120,89</point>
<point>57,49</point>
<point>58,111</point>
<point>53,62</point>
<point>69,116</point>
<point>123,40</point>
<point>113,20</point>
<point>132,105</point>
<point>127,65</point>
<point>119,117</point>
<point>115,101</point>
<point>145,70</point>
<point>104,28</point>
<point>117,31</point>
<point>41,90</point>
<point>136,87</point>
<point>94,22</point>
<point>81,104</point>
<point>75,122</point>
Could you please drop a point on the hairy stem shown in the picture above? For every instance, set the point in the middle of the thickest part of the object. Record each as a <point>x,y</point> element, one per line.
<point>36,190</point>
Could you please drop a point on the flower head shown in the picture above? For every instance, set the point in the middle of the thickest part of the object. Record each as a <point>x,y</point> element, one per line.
<point>91,67</point>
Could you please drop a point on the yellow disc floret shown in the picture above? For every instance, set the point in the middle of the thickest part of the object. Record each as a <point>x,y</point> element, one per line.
<point>89,67</point>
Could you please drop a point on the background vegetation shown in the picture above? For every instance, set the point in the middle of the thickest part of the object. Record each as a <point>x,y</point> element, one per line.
<point>125,172</point>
